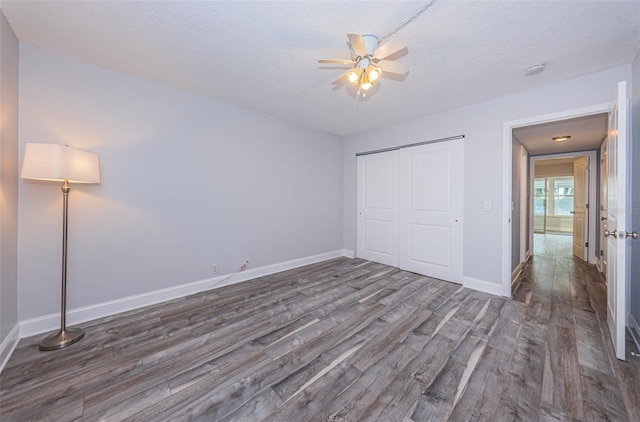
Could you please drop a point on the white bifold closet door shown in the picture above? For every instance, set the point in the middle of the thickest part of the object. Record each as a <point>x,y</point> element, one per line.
<point>420,189</point>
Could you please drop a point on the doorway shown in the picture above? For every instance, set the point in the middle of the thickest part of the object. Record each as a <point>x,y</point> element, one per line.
<point>564,197</point>
<point>534,138</point>
<point>618,141</point>
<point>561,195</point>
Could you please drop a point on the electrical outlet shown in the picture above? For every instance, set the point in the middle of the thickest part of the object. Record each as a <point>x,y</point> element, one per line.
<point>245,264</point>
<point>214,269</point>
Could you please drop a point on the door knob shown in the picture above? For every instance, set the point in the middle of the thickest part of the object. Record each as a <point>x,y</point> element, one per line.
<point>607,233</point>
<point>633,235</point>
<point>572,212</point>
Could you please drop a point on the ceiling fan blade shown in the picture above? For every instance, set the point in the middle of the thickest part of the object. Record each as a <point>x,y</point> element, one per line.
<point>390,47</point>
<point>337,61</point>
<point>389,66</point>
<point>357,44</point>
<point>341,79</point>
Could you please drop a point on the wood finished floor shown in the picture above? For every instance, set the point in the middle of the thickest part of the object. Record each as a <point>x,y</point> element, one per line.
<point>343,340</point>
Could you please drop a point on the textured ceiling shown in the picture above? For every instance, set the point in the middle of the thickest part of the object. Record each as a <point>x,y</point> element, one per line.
<point>586,133</point>
<point>263,55</point>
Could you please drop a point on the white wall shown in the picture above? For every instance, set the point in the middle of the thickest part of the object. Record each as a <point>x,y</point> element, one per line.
<point>8,181</point>
<point>483,126</point>
<point>187,182</point>
<point>544,169</point>
<point>634,224</point>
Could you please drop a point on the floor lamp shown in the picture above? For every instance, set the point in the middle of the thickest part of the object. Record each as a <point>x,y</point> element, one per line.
<point>51,162</point>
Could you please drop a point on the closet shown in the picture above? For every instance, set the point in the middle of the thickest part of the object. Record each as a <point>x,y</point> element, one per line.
<point>410,206</point>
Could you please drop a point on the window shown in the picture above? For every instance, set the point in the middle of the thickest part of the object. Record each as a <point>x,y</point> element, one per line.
<point>552,197</point>
<point>540,196</point>
<point>562,195</point>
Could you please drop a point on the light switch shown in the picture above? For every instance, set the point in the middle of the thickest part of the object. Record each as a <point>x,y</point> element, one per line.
<point>486,206</point>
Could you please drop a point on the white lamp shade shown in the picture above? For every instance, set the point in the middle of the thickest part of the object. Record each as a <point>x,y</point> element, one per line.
<point>59,163</point>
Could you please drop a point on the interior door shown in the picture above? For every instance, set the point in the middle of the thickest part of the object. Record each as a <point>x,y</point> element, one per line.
<point>431,196</point>
<point>377,229</point>
<point>616,221</point>
<point>580,216</point>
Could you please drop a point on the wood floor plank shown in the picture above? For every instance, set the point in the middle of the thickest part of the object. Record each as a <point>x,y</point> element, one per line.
<point>602,400</point>
<point>561,379</point>
<point>418,374</point>
<point>352,404</point>
<point>438,399</point>
<point>505,334</point>
<point>522,395</point>
<point>481,397</point>
<point>590,344</point>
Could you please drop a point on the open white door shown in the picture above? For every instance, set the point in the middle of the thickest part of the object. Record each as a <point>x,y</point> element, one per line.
<point>377,231</point>
<point>616,221</point>
<point>580,221</point>
<point>604,175</point>
<point>431,195</point>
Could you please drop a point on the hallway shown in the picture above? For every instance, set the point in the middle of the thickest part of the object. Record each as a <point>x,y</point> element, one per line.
<point>566,300</point>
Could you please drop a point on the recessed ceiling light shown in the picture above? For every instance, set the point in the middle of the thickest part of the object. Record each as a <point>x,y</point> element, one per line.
<point>535,69</point>
<point>561,138</point>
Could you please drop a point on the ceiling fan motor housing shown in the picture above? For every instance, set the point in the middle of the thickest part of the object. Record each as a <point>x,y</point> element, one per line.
<point>370,45</point>
<point>364,63</point>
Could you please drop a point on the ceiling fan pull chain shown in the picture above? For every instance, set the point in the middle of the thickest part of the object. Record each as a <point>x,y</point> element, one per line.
<point>407,21</point>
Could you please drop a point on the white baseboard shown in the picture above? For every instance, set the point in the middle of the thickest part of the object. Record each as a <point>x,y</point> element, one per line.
<point>8,345</point>
<point>51,322</point>
<point>527,255</point>
<point>348,254</point>
<point>483,286</point>
<point>634,329</point>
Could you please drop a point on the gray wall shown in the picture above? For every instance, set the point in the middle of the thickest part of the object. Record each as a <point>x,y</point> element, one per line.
<point>187,182</point>
<point>8,178</point>
<point>483,126</point>
<point>634,224</point>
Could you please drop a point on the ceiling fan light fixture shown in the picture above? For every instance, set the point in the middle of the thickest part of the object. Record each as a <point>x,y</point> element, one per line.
<point>353,76</point>
<point>374,74</point>
<point>561,138</point>
<point>365,83</point>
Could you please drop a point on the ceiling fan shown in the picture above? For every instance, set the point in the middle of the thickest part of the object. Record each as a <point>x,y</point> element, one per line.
<point>369,60</point>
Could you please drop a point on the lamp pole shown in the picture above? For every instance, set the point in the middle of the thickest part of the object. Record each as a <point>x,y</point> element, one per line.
<point>65,336</point>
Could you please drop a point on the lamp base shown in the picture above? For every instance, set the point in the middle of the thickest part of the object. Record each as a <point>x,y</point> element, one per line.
<point>62,338</point>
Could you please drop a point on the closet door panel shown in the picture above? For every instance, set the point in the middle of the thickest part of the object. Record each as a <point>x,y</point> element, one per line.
<point>431,195</point>
<point>377,231</point>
